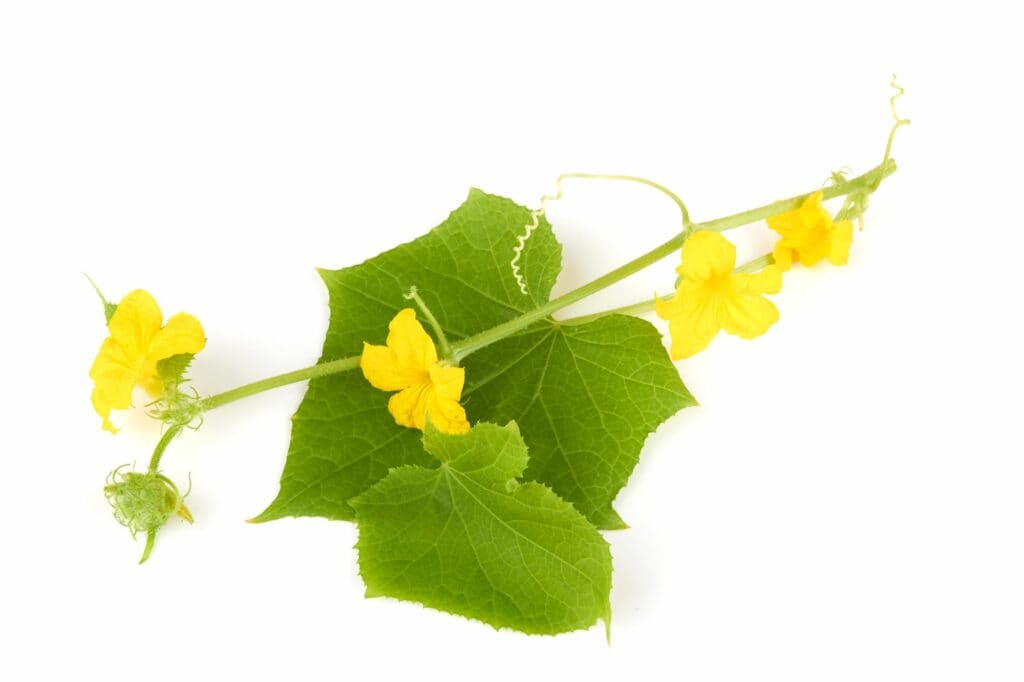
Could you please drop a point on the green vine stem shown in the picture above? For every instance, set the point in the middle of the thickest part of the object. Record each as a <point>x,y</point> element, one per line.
<point>647,305</point>
<point>442,341</point>
<point>862,184</point>
<point>320,370</point>
<point>148,549</point>
<point>161,445</point>
<point>631,178</point>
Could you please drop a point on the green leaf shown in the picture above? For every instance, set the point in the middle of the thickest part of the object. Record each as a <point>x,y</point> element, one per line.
<point>171,370</point>
<point>463,536</point>
<point>586,395</point>
<point>343,438</point>
<point>108,308</point>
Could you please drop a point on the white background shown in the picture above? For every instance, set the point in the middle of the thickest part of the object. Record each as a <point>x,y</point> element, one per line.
<point>846,504</point>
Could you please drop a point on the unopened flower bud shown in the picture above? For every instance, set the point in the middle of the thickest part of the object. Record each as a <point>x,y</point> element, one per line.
<point>143,503</point>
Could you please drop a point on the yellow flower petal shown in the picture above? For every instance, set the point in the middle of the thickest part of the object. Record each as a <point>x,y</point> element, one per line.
<point>128,356</point>
<point>812,208</point>
<point>667,309</point>
<point>712,297</point>
<point>184,514</point>
<point>448,380</point>
<point>406,359</point>
<point>707,255</point>
<point>135,322</point>
<point>443,408</point>
<point>808,235</point>
<point>380,367</point>
<point>840,240</point>
<point>812,251</point>
<point>409,406</point>
<point>413,347</point>
<point>766,281</point>
<point>447,415</point>
<point>427,389</point>
<point>799,225</point>
<point>748,315</point>
<point>693,320</point>
<point>783,255</point>
<point>113,377</point>
<point>183,334</point>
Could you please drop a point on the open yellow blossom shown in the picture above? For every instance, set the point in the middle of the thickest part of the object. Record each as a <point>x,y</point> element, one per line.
<point>426,387</point>
<point>809,235</point>
<point>138,341</point>
<point>711,297</point>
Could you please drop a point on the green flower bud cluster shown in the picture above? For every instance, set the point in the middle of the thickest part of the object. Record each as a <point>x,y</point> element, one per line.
<point>176,407</point>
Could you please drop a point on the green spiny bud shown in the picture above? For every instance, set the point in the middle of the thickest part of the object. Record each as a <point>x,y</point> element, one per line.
<point>143,503</point>
<point>176,407</point>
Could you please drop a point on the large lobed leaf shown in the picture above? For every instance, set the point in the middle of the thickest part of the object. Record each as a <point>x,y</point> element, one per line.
<point>586,396</point>
<point>464,536</point>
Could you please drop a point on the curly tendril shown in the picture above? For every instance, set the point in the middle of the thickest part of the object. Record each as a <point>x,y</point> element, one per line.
<point>535,216</point>
<point>528,230</point>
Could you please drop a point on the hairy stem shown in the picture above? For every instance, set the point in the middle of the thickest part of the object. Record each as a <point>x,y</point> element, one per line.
<point>320,370</point>
<point>862,183</point>
<point>150,541</point>
<point>633,178</point>
<point>647,305</point>
<point>483,339</point>
<point>442,340</point>
<point>161,445</point>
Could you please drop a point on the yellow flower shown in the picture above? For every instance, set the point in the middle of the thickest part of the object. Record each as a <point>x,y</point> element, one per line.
<point>137,342</point>
<point>712,297</point>
<point>809,235</point>
<point>408,364</point>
